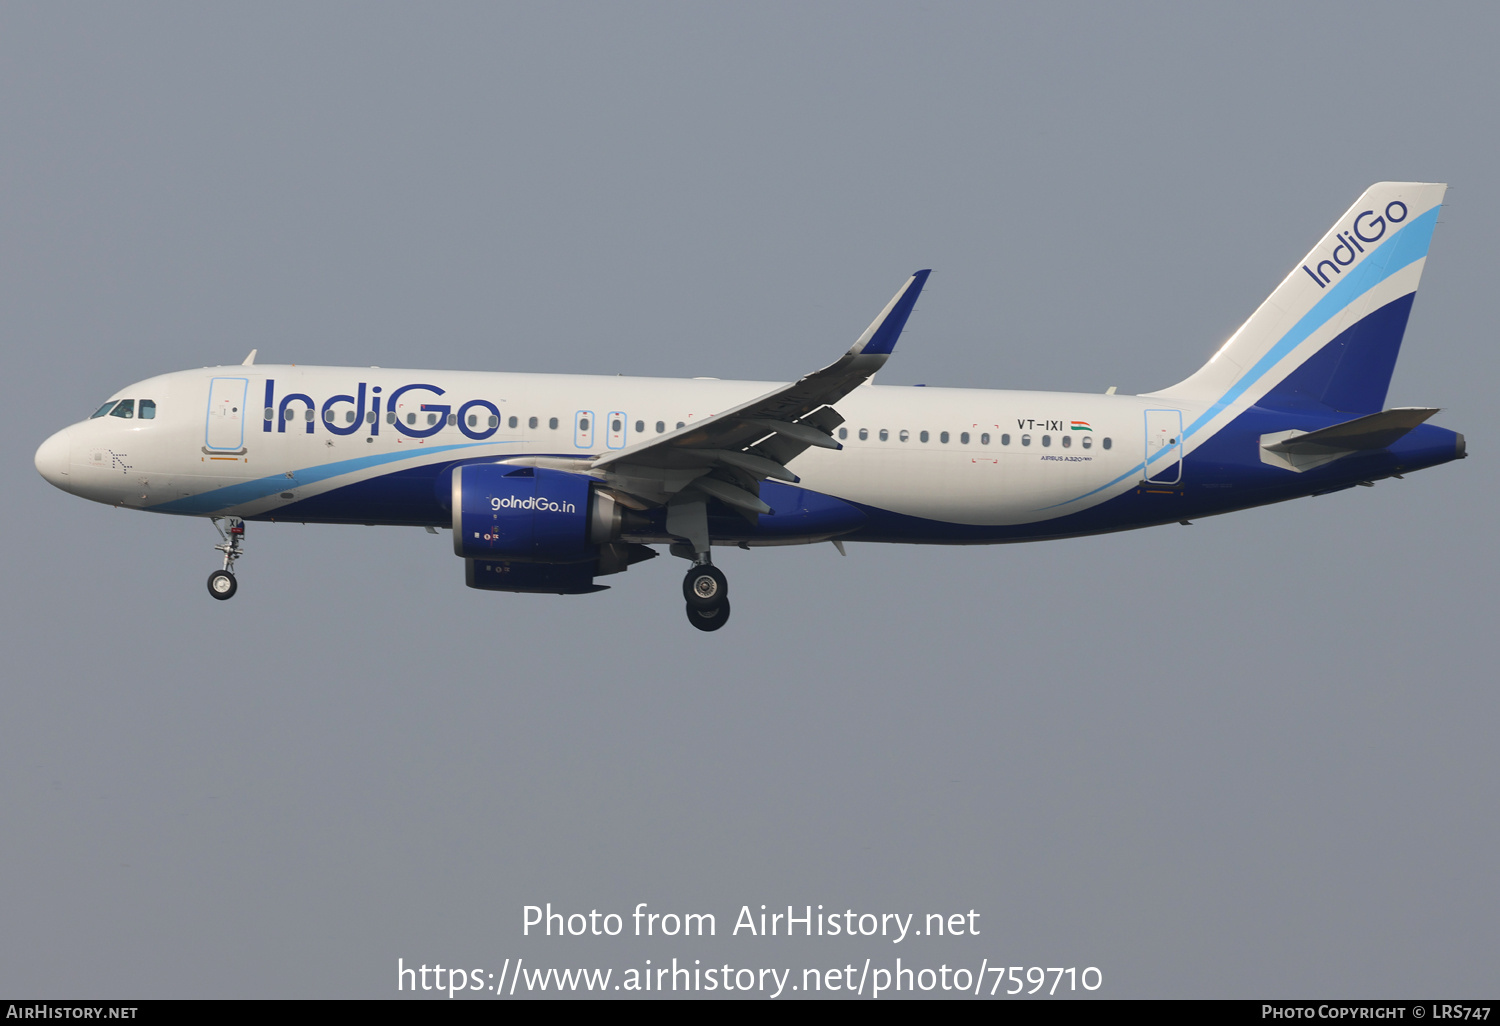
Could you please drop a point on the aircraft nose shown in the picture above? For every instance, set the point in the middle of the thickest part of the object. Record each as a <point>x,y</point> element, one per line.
<point>53,457</point>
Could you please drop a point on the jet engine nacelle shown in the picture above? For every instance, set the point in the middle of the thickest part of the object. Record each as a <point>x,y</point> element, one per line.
<point>529,514</point>
<point>538,530</point>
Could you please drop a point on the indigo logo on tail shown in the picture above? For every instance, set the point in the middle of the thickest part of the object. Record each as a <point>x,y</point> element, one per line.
<point>1368,227</point>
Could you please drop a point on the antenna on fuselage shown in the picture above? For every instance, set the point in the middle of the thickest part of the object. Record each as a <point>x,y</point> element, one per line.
<point>250,360</point>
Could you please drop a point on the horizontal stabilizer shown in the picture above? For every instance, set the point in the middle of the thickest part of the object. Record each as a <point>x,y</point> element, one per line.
<point>1376,431</point>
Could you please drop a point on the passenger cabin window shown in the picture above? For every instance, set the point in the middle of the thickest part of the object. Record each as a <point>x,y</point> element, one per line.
<point>1106,443</point>
<point>148,409</point>
<point>124,408</point>
<point>531,423</point>
<point>1088,443</point>
<point>1025,439</point>
<point>101,411</point>
<point>512,422</point>
<point>661,426</point>
<point>1046,441</point>
<point>552,423</point>
<point>1067,440</point>
<point>905,434</point>
<point>640,427</point>
<point>864,433</point>
<point>583,424</point>
<point>923,436</point>
<point>680,425</point>
<point>1005,439</point>
<point>495,421</point>
<point>984,439</point>
<point>964,438</point>
<point>843,433</point>
<point>411,418</point>
<point>884,435</point>
<point>943,438</point>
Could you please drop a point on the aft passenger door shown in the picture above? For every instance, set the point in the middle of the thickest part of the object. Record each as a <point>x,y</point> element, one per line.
<point>225,430</point>
<point>1163,447</point>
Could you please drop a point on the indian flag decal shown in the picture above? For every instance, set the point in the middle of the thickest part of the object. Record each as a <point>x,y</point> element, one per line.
<point>1081,425</point>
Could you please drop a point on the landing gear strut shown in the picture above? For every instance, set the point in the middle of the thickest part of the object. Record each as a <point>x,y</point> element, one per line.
<point>705,587</point>
<point>221,583</point>
<point>707,593</point>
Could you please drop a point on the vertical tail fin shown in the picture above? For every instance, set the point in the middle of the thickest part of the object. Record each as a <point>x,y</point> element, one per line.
<point>1330,333</point>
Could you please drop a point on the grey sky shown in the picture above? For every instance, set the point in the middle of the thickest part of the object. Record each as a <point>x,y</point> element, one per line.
<point>1252,757</point>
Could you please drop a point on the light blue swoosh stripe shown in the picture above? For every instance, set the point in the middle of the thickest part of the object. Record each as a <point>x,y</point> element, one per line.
<point>1132,472</point>
<point>249,491</point>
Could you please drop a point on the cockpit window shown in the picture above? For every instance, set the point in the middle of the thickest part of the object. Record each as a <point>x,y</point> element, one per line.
<point>124,408</point>
<point>103,409</point>
<point>148,409</point>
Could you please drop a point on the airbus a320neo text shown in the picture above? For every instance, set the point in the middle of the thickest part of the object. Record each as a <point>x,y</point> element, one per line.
<point>550,482</point>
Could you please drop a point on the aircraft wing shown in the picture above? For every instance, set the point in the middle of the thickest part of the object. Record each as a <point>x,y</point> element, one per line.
<point>727,455</point>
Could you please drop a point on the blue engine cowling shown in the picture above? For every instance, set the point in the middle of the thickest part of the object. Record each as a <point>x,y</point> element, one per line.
<point>537,530</point>
<point>522,514</point>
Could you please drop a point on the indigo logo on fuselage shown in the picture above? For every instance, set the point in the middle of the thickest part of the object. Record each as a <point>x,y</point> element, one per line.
<point>345,414</point>
<point>1368,227</point>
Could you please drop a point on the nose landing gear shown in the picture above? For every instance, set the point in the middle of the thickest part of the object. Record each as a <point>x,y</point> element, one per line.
<point>221,583</point>
<point>707,593</point>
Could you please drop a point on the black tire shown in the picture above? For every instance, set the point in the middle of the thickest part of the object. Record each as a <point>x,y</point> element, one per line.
<point>222,585</point>
<point>705,587</point>
<point>709,619</point>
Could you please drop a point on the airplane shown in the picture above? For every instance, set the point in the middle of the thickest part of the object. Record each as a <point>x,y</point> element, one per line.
<point>549,482</point>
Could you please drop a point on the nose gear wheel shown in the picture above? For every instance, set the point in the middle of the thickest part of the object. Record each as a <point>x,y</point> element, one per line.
<point>222,583</point>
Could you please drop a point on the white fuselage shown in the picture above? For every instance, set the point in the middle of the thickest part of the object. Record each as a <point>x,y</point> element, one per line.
<point>957,456</point>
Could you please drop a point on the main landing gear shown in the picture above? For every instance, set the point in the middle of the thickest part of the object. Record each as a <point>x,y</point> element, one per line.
<point>707,592</point>
<point>221,583</point>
